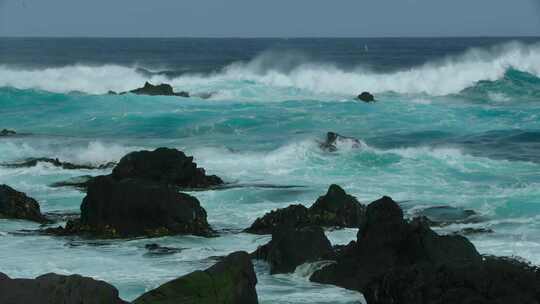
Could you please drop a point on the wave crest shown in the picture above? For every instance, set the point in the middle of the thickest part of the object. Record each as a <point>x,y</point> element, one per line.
<point>273,71</point>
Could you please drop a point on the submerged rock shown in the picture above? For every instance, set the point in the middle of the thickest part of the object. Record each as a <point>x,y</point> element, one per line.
<point>446,215</point>
<point>6,132</point>
<point>291,247</point>
<point>78,182</point>
<point>157,250</point>
<point>16,205</point>
<point>164,165</point>
<point>399,261</point>
<point>366,97</point>
<point>32,162</point>
<point>55,289</point>
<point>134,207</point>
<point>158,90</point>
<point>230,281</point>
<point>334,209</point>
<point>334,139</point>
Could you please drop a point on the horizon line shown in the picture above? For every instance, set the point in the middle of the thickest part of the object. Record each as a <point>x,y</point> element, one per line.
<point>270,37</point>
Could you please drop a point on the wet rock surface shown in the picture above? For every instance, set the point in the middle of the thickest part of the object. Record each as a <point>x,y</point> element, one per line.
<point>133,207</point>
<point>292,247</point>
<point>231,281</point>
<point>398,261</point>
<point>334,209</point>
<point>17,205</point>
<point>55,289</point>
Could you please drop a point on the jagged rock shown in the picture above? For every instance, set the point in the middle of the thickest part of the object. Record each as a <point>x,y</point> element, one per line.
<point>158,90</point>
<point>32,162</point>
<point>334,209</point>
<point>134,207</point>
<point>334,139</point>
<point>6,132</point>
<point>293,216</point>
<point>56,289</point>
<point>338,209</point>
<point>291,247</point>
<point>366,97</point>
<point>164,165</point>
<point>230,281</point>
<point>16,205</point>
<point>399,261</point>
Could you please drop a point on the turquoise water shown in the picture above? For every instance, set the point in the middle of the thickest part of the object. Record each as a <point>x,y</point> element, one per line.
<point>460,130</point>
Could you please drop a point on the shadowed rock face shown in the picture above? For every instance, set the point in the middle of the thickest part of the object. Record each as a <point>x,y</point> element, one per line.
<point>164,165</point>
<point>132,207</point>
<point>399,261</point>
<point>291,247</point>
<point>16,205</point>
<point>56,289</point>
<point>334,209</point>
<point>230,281</point>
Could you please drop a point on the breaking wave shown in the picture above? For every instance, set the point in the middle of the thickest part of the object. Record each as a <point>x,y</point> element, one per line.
<point>450,75</point>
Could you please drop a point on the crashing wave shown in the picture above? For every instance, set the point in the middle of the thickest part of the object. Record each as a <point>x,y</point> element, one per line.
<point>451,75</point>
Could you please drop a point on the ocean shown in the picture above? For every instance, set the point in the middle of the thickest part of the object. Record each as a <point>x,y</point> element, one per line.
<point>456,123</point>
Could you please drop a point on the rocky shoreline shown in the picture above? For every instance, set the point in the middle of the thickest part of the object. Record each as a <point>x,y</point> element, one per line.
<point>392,260</point>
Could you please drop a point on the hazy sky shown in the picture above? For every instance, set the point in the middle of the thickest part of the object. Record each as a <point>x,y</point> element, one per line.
<point>263,18</point>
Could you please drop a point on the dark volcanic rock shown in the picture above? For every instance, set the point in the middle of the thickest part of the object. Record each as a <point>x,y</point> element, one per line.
<point>32,162</point>
<point>230,281</point>
<point>495,280</point>
<point>334,139</point>
<point>56,289</point>
<point>133,207</point>
<point>366,97</point>
<point>16,205</point>
<point>399,261</point>
<point>291,247</point>
<point>334,209</point>
<point>158,90</point>
<point>164,165</point>
<point>6,132</point>
<point>292,216</point>
<point>337,208</point>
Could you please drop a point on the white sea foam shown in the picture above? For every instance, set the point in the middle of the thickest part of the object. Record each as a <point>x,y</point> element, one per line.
<point>443,77</point>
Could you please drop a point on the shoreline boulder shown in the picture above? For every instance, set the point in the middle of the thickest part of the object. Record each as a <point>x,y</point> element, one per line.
<point>54,289</point>
<point>292,247</point>
<point>334,209</point>
<point>398,261</point>
<point>17,205</point>
<point>164,165</point>
<point>134,207</point>
<point>230,281</point>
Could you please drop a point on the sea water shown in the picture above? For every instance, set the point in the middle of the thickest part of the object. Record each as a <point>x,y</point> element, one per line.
<point>456,123</point>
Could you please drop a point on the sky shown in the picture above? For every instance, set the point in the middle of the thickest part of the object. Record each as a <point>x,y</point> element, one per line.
<point>269,18</point>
